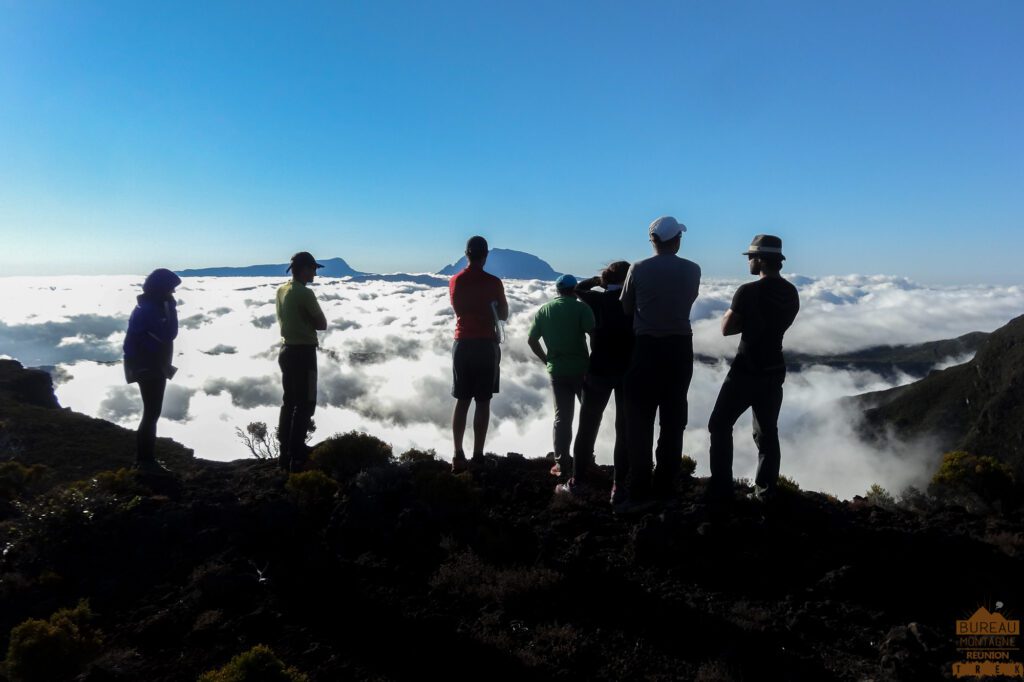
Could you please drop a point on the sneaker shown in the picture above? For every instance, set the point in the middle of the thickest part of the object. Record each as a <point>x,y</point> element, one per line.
<point>459,463</point>
<point>571,488</point>
<point>761,495</point>
<point>556,470</point>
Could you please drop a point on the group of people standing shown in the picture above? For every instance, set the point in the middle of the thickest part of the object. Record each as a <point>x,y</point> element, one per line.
<point>641,352</point>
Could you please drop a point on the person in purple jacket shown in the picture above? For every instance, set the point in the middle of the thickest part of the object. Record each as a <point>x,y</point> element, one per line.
<point>148,350</point>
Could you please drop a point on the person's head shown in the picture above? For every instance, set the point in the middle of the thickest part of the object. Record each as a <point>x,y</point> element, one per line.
<point>161,282</point>
<point>476,250</point>
<point>765,255</point>
<point>566,285</point>
<point>666,234</point>
<point>303,267</point>
<point>615,273</point>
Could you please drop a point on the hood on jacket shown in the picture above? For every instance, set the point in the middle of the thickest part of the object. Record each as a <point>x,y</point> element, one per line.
<point>160,282</point>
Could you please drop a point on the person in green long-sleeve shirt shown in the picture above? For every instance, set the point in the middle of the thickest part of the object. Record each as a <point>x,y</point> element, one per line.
<point>563,325</point>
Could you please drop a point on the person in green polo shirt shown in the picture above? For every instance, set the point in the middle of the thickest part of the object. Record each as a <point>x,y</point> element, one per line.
<point>563,325</point>
<point>300,317</point>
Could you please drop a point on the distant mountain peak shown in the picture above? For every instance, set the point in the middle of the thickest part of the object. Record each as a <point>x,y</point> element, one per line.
<point>333,267</point>
<point>509,264</point>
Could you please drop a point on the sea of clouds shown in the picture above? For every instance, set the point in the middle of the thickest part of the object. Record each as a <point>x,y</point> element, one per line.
<point>385,364</point>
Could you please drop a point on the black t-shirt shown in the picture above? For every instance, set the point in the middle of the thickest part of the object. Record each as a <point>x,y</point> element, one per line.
<point>766,309</point>
<point>611,342</point>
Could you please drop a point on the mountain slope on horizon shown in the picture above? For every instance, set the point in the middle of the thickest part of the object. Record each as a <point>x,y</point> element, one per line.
<point>333,267</point>
<point>509,264</point>
<point>977,406</point>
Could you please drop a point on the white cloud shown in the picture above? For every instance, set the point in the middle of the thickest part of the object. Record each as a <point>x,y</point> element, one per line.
<point>386,368</point>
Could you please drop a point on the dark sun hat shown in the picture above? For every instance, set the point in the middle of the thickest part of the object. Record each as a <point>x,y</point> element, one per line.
<point>302,259</point>
<point>765,245</point>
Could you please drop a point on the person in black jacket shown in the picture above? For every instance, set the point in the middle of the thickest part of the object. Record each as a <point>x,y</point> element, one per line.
<point>148,351</point>
<point>611,345</point>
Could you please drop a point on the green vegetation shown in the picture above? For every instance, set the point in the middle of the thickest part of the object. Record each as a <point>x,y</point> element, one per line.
<point>977,482</point>
<point>311,489</point>
<point>16,478</point>
<point>788,484</point>
<point>687,466</point>
<point>120,483</point>
<point>344,455</point>
<point>879,497</point>
<point>258,664</point>
<point>415,456</point>
<point>53,649</point>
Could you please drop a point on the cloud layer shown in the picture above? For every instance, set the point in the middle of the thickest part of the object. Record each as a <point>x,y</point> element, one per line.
<point>385,363</point>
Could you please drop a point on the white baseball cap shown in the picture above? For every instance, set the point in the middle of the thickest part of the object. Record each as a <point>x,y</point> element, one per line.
<point>666,228</point>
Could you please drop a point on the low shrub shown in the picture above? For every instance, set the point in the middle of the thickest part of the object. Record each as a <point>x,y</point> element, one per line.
<point>879,497</point>
<point>978,482</point>
<point>311,489</point>
<point>344,455</point>
<point>258,664</point>
<point>788,484</point>
<point>415,456</point>
<point>464,574</point>
<point>120,483</point>
<point>687,466</point>
<point>53,649</point>
<point>16,478</point>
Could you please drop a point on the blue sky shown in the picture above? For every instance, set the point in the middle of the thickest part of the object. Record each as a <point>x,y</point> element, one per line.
<point>874,137</point>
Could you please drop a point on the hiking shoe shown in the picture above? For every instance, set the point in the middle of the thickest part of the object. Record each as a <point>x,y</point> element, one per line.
<point>556,470</point>
<point>571,488</point>
<point>761,495</point>
<point>459,463</point>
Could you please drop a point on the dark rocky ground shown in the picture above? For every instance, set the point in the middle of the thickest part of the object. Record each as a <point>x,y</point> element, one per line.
<point>409,572</point>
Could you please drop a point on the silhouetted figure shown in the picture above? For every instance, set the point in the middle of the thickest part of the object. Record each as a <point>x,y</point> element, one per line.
<point>148,353</point>
<point>611,347</point>
<point>659,291</point>
<point>300,317</point>
<point>761,311</point>
<point>478,299</point>
<point>563,325</point>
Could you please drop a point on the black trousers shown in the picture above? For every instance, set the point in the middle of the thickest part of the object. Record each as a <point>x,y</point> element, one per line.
<point>597,390</point>
<point>298,374</point>
<point>656,382</point>
<point>152,385</point>
<point>566,390</point>
<point>763,394</point>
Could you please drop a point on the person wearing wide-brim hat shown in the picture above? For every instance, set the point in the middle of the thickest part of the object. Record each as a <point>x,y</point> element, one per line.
<point>761,311</point>
<point>300,318</point>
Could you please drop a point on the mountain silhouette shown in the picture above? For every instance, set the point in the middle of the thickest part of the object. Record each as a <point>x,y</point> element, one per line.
<point>333,267</point>
<point>977,406</point>
<point>509,264</point>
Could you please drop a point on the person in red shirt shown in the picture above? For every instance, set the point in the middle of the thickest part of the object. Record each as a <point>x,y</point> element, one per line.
<point>479,301</point>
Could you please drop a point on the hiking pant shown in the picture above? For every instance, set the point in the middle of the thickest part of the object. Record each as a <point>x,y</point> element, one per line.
<point>656,382</point>
<point>298,374</point>
<point>566,390</point>
<point>597,390</point>
<point>762,393</point>
<point>152,385</point>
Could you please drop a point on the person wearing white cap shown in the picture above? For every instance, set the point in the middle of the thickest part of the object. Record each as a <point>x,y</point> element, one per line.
<point>659,292</point>
<point>761,311</point>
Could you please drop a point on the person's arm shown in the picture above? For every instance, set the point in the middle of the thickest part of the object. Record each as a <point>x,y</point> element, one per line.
<point>538,350</point>
<point>587,284</point>
<point>533,340</point>
<point>628,295</point>
<point>732,323</point>
<point>316,315</point>
<point>502,303</point>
